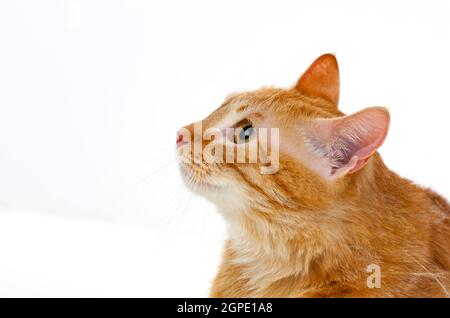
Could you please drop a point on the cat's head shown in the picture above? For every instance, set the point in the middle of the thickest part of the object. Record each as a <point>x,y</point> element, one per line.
<point>274,149</point>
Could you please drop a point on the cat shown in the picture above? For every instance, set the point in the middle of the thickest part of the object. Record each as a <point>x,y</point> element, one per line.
<point>332,220</point>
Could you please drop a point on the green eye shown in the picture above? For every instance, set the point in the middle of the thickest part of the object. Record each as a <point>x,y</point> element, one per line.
<point>244,133</point>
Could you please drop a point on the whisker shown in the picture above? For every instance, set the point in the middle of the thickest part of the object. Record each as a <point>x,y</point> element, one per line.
<point>153,173</point>
<point>171,214</point>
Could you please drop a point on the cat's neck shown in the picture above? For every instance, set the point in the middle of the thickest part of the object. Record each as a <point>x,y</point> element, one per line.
<point>268,251</point>
<point>289,243</point>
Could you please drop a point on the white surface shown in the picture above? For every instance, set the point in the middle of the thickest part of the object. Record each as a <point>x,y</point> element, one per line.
<point>46,256</point>
<point>92,93</point>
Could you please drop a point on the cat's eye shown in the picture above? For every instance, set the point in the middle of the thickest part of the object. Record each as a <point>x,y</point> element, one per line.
<point>244,132</point>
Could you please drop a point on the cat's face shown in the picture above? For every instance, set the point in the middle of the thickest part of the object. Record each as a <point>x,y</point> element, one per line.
<point>280,149</point>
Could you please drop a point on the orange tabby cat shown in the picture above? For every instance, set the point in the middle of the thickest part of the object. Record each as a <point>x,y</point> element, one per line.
<point>332,220</point>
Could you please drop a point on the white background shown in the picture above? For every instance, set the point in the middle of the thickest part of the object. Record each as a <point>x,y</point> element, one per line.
<point>92,93</point>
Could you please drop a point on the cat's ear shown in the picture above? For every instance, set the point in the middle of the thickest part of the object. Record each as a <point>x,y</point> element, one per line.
<point>321,79</point>
<point>345,144</point>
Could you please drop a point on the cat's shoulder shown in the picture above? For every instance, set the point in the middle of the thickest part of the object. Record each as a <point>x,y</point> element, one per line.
<point>438,202</point>
<point>440,232</point>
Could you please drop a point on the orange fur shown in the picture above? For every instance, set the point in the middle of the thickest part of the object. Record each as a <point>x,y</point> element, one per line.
<point>297,234</point>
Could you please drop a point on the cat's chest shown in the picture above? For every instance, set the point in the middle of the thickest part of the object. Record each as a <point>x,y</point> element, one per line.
<point>252,281</point>
<point>254,274</point>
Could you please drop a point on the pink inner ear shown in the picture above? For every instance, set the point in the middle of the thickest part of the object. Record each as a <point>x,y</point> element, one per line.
<point>348,142</point>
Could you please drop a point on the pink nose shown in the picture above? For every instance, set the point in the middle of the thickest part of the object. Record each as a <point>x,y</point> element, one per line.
<point>180,139</point>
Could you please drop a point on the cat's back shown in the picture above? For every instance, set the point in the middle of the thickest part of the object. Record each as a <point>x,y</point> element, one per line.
<point>440,235</point>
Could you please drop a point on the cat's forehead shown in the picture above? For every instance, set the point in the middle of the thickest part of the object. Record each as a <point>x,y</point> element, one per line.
<point>260,97</point>
<point>238,106</point>
<point>265,99</point>
<point>265,102</point>
<point>233,109</point>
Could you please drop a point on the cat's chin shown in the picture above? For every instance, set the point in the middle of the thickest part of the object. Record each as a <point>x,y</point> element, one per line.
<point>196,183</point>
